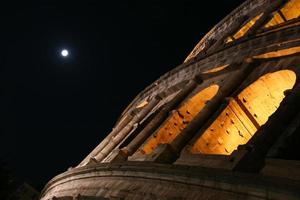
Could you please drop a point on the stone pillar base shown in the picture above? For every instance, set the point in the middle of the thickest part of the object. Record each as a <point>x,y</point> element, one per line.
<point>164,153</point>
<point>117,155</point>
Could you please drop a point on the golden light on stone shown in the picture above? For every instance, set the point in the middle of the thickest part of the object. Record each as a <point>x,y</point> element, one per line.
<point>216,69</point>
<point>240,33</point>
<point>142,104</point>
<point>277,19</point>
<point>279,53</point>
<point>245,114</point>
<point>179,119</point>
<point>291,10</point>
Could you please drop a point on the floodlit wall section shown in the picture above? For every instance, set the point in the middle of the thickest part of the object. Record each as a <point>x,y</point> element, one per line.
<point>179,119</point>
<point>276,19</point>
<point>240,33</point>
<point>279,53</point>
<point>239,121</point>
<point>263,97</point>
<point>289,11</point>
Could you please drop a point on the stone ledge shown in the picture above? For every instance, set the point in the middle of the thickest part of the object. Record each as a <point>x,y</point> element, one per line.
<point>165,175</point>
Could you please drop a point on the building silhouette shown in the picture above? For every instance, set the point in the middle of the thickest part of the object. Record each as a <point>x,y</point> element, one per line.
<point>225,124</point>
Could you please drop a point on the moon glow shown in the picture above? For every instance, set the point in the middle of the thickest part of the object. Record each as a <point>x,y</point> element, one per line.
<point>64,52</point>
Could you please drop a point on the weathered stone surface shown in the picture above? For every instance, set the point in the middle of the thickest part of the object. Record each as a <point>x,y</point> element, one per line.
<point>142,180</point>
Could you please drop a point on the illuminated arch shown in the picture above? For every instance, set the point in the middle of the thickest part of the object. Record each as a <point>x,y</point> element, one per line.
<point>239,121</point>
<point>290,10</point>
<point>242,31</point>
<point>279,53</point>
<point>179,119</point>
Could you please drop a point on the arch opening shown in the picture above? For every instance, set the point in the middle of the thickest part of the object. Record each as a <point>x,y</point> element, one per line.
<point>291,10</point>
<point>216,69</point>
<point>142,104</point>
<point>179,119</point>
<point>245,113</point>
<point>242,31</point>
<point>279,53</point>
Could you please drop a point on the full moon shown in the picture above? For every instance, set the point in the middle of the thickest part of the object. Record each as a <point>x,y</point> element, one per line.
<point>64,52</point>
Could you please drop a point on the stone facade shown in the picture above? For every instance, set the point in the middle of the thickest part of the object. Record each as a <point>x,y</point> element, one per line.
<point>223,125</point>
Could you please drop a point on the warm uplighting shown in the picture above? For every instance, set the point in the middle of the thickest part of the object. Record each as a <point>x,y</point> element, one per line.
<point>239,121</point>
<point>179,119</point>
<point>229,39</point>
<point>142,104</point>
<point>215,69</point>
<point>199,47</point>
<point>276,19</point>
<point>279,53</point>
<point>290,10</point>
<point>244,29</point>
<point>262,98</point>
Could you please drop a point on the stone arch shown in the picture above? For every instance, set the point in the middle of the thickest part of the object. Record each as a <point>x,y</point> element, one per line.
<point>179,119</point>
<point>289,11</point>
<point>244,29</point>
<point>278,53</point>
<point>245,113</point>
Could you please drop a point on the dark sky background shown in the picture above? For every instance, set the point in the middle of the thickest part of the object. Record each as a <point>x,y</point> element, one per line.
<point>56,110</point>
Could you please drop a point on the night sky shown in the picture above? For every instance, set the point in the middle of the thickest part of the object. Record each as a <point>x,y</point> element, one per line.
<point>55,110</point>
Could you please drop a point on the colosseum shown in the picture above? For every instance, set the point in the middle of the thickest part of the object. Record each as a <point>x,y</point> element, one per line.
<point>222,125</point>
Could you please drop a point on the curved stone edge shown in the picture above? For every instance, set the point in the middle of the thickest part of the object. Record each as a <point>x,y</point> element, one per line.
<point>259,44</point>
<point>247,8</point>
<point>234,182</point>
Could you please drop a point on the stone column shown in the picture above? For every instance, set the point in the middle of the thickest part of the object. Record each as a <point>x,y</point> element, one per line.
<point>221,41</point>
<point>166,153</point>
<point>160,116</point>
<point>265,17</point>
<point>104,142</point>
<point>252,155</point>
<point>114,140</point>
<point>156,121</point>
